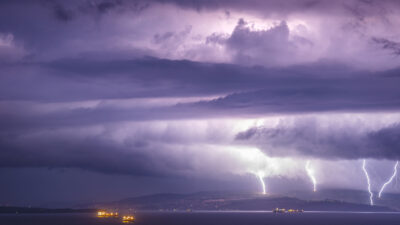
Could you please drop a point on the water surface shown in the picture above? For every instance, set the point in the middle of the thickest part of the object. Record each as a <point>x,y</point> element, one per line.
<point>209,218</point>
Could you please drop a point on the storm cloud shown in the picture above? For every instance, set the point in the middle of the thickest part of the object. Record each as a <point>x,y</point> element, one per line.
<point>311,137</point>
<point>191,88</point>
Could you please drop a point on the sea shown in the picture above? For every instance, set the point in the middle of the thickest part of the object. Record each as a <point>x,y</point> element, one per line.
<point>209,218</point>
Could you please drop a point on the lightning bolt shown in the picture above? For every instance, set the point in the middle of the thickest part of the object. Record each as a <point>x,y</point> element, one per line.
<point>390,179</point>
<point>371,195</point>
<point>310,173</point>
<point>260,176</point>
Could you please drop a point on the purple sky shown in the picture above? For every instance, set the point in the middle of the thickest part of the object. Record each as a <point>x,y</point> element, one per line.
<point>184,96</point>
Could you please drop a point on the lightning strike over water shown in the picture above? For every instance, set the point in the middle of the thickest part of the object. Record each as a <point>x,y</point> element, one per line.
<point>260,176</point>
<point>371,195</point>
<point>310,173</point>
<point>390,179</point>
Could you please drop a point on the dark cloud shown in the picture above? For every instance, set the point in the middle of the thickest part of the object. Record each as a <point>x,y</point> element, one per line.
<point>158,38</point>
<point>103,26</point>
<point>269,47</point>
<point>216,38</point>
<point>134,78</point>
<point>246,91</point>
<point>310,138</point>
<point>172,40</point>
<point>70,79</point>
<point>94,152</point>
<point>252,4</point>
<point>62,14</point>
<point>386,140</point>
<point>36,24</point>
<point>105,6</point>
<point>65,10</point>
<point>314,96</point>
<point>388,45</point>
<point>358,8</point>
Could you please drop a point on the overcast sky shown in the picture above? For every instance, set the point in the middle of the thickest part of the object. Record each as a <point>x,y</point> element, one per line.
<point>137,97</point>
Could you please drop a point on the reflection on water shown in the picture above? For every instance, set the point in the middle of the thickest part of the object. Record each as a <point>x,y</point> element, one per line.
<point>209,218</point>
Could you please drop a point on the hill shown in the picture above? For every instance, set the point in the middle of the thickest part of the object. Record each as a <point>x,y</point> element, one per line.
<point>235,201</point>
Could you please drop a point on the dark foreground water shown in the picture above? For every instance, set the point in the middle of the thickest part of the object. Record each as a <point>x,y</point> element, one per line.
<point>209,218</point>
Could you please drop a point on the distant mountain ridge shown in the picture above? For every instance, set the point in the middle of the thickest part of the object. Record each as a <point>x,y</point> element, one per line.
<point>391,200</point>
<point>19,210</point>
<point>235,201</point>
